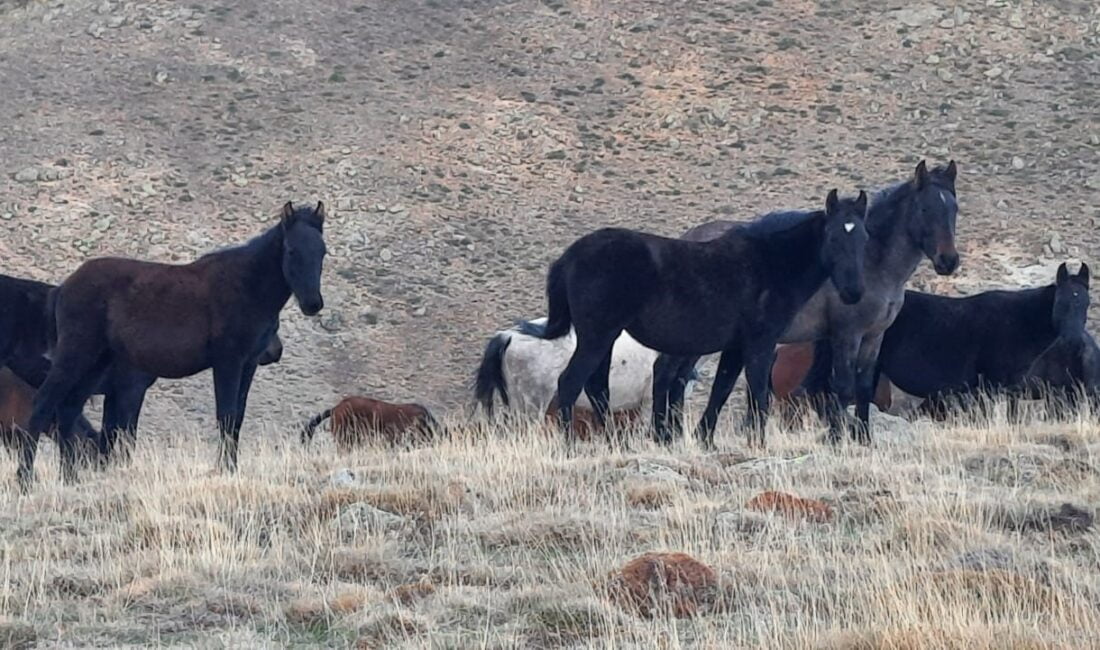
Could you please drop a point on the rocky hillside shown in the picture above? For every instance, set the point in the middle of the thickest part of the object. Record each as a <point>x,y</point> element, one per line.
<point>462,144</point>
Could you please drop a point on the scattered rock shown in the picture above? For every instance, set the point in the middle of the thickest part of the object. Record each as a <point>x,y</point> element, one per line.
<point>361,516</point>
<point>1067,518</point>
<point>1017,162</point>
<point>344,478</point>
<point>1056,245</point>
<point>332,320</point>
<point>385,254</point>
<point>917,16</point>
<point>1016,20</point>
<point>791,506</point>
<point>27,175</point>
<point>659,582</point>
<point>993,72</point>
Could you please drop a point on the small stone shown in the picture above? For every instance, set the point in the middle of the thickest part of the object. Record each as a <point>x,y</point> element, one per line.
<point>114,22</point>
<point>1093,182</point>
<point>7,216</point>
<point>238,180</point>
<point>95,30</point>
<point>345,150</point>
<point>961,16</point>
<point>944,74</point>
<point>368,316</point>
<point>394,209</point>
<point>103,223</point>
<point>332,320</point>
<point>579,56</point>
<point>385,254</point>
<point>1055,244</point>
<point>1016,20</point>
<point>1094,139</point>
<point>343,479</point>
<point>993,72</point>
<point>947,23</point>
<point>932,59</point>
<point>1017,162</point>
<point>27,175</point>
<point>557,154</point>
<point>160,77</point>
<point>917,16</point>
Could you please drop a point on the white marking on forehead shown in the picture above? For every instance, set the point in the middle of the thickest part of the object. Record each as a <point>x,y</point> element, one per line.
<point>849,227</point>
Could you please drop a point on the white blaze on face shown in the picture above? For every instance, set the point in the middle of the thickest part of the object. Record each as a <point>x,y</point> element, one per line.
<point>849,227</point>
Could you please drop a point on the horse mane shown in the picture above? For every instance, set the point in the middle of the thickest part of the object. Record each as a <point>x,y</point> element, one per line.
<point>259,241</point>
<point>776,223</point>
<point>884,200</point>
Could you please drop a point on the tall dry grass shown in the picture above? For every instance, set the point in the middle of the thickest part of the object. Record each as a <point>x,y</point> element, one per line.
<point>500,539</point>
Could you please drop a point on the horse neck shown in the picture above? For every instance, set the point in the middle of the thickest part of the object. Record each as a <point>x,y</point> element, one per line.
<point>261,262</point>
<point>793,258</point>
<point>891,253</point>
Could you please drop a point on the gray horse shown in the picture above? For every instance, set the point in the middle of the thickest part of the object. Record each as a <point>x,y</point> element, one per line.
<point>906,221</point>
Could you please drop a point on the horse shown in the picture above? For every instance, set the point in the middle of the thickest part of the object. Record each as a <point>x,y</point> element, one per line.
<point>735,294</point>
<point>944,349</point>
<point>27,332</point>
<point>357,418</point>
<point>585,422</point>
<point>523,369</point>
<point>1070,366</point>
<point>906,222</point>
<point>173,321</point>
<point>792,364</point>
<point>16,400</point>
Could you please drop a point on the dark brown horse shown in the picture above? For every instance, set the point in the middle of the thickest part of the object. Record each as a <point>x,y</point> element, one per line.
<point>173,321</point>
<point>356,420</point>
<point>16,405</point>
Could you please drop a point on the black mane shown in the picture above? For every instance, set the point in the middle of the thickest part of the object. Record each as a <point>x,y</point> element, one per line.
<point>774,223</point>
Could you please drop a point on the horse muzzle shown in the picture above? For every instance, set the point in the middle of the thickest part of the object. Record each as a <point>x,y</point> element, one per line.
<point>851,296</point>
<point>311,307</point>
<point>946,263</point>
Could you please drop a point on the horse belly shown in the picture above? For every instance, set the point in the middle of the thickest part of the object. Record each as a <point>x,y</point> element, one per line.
<point>172,357</point>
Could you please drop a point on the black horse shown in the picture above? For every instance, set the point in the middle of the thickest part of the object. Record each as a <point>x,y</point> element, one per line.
<point>906,222</point>
<point>735,294</point>
<point>949,350</point>
<point>1070,367</point>
<point>28,331</point>
<point>173,321</point>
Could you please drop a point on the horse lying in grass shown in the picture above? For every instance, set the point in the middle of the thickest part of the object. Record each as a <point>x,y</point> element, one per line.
<point>522,368</point>
<point>357,420</point>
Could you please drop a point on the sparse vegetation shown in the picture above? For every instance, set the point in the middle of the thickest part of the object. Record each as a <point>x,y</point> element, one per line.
<point>499,539</point>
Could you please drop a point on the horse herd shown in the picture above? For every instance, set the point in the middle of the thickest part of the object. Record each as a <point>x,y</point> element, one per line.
<point>630,314</point>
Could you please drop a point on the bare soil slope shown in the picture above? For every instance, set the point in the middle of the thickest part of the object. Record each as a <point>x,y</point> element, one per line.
<point>462,144</point>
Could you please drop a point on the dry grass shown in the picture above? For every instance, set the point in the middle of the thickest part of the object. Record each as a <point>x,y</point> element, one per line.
<point>938,538</point>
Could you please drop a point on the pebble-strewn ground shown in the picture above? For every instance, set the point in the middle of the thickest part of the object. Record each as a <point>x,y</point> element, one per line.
<point>463,145</point>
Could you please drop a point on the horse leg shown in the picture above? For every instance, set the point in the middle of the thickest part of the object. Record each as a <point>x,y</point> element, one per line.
<point>121,411</point>
<point>676,393</point>
<point>587,357</point>
<point>664,369</point>
<point>843,384</point>
<point>867,376</point>
<point>729,367</point>
<point>599,393</point>
<point>75,372</point>
<point>758,375</point>
<point>247,374</point>
<point>227,386</point>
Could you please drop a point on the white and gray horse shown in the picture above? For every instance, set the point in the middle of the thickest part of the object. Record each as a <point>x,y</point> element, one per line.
<point>523,370</point>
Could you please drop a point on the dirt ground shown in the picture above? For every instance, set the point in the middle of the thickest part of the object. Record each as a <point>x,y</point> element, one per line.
<point>462,145</point>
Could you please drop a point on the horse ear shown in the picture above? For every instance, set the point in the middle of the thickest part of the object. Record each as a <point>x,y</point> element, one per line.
<point>830,202</point>
<point>861,203</point>
<point>1063,273</point>
<point>920,176</point>
<point>1083,273</point>
<point>952,171</point>
<point>288,213</point>
<point>319,212</point>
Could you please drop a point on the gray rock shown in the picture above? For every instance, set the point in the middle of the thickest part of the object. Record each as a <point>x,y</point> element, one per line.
<point>918,16</point>
<point>343,479</point>
<point>385,254</point>
<point>27,175</point>
<point>332,320</point>
<point>1055,244</point>
<point>1016,20</point>
<point>365,517</point>
<point>1017,162</point>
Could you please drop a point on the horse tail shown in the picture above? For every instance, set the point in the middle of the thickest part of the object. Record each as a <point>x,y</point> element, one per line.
<point>307,430</point>
<point>490,374</point>
<point>559,321</point>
